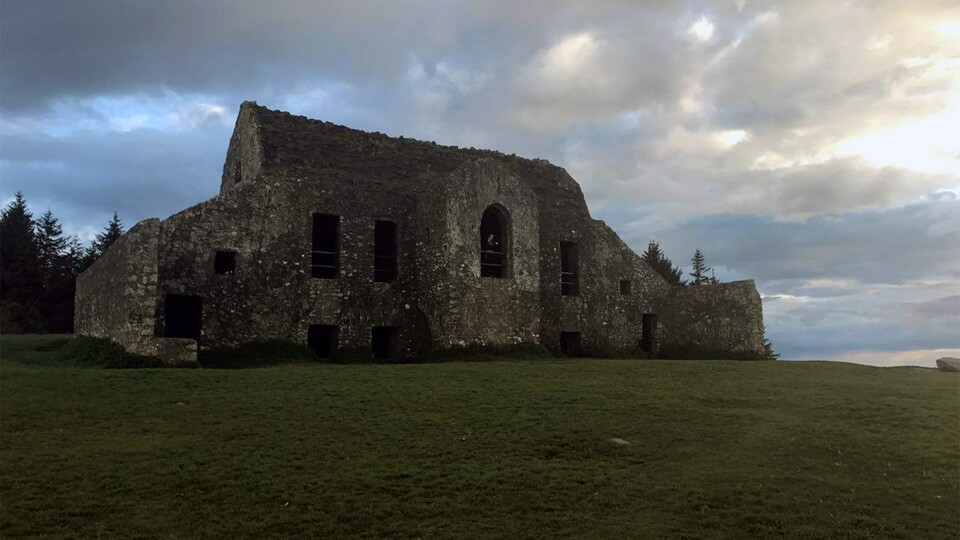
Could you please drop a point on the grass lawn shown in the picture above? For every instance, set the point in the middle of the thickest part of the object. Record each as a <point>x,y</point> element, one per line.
<point>515,449</point>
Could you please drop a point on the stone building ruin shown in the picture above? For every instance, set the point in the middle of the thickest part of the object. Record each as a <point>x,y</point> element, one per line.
<point>361,245</point>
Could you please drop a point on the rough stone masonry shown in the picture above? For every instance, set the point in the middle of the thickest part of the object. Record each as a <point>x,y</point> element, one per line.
<point>362,245</point>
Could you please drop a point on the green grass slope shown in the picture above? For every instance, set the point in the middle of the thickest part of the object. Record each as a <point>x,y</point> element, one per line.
<point>517,449</point>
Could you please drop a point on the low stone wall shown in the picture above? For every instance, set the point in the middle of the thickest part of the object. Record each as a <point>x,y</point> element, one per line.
<point>723,319</point>
<point>116,297</point>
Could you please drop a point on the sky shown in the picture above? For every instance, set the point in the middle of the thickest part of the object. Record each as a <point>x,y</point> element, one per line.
<point>813,146</point>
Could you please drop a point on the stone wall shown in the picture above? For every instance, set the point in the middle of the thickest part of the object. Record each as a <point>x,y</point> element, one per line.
<point>605,319</point>
<point>725,320</point>
<point>116,297</point>
<point>280,169</point>
<point>464,307</point>
<point>271,294</point>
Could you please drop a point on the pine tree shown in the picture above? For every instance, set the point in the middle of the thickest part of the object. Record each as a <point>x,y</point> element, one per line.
<point>104,239</point>
<point>768,352</point>
<point>76,255</point>
<point>58,267</point>
<point>51,246</point>
<point>700,269</point>
<point>655,257</point>
<point>20,274</point>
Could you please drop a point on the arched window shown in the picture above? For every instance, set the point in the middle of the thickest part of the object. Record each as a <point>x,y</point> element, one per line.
<point>494,243</point>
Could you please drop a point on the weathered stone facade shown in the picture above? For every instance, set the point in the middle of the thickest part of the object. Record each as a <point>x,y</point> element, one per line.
<point>722,318</point>
<point>117,298</point>
<point>240,267</point>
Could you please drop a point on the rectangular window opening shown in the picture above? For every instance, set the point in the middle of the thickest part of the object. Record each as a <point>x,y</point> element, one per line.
<point>383,340</point>
<point>325,255</point>
<point>225,262</point>
<point>626,287</point>
<point>385,251</point>
<point>322,339</point>
<point>570,344</point>
<point>183,316</point>
<point>569,269</point>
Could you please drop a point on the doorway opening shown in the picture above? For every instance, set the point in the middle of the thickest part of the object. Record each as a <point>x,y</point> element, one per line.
<point>648,340</point>
<point>383,340</point>
<point>570,344</point>
<point>183,316</point>
<point>322,340</point>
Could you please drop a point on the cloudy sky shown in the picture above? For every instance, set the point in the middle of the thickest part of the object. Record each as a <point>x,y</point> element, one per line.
<point>813,146</point>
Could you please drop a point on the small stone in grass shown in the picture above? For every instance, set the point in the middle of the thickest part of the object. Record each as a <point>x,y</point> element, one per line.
<point>617,440</point>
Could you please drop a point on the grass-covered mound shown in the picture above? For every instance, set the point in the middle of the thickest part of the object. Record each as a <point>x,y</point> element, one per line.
<point>75,351</point>
<point>518,449</point>
<point>519,351</point>
<point>256,354</point>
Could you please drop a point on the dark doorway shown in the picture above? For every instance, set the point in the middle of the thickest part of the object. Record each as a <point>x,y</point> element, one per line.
<point>384,251</point>
<point>648,341</point>
<point>183,316</point>
<point>569,269</point>
<point>325,255</point>
<point>570,343</point>
<point>322,339</point>
<point>493,243</point>
<point>383,340</point>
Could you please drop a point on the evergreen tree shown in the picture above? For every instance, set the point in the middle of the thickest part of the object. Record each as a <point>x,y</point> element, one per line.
<point>59,268</point>
<point>51,246</point>
<point>104,239</point>
<point>20,274</point>
<point>76,255</point>
<point>700,269</point>
<point>655,257</point>
<point>768,352</point>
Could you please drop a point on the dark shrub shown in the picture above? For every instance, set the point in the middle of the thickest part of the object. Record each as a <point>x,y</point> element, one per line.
<point>85,351</point>
<point>52,345</point>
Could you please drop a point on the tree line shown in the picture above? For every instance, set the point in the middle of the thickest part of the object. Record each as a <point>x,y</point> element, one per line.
<point>701,274</point>
<point>39,266</point>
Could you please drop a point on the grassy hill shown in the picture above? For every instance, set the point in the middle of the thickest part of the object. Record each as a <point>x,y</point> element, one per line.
<point>517,449</point>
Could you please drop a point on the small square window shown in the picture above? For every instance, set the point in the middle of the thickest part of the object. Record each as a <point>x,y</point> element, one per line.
<point>225,262</point>
<point>626,287</point>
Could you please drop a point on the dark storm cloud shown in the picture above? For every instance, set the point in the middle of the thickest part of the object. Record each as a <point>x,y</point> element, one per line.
<point>70,48</point>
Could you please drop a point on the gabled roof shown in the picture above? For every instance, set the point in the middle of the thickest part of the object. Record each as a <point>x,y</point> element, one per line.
<point>302,144</point>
